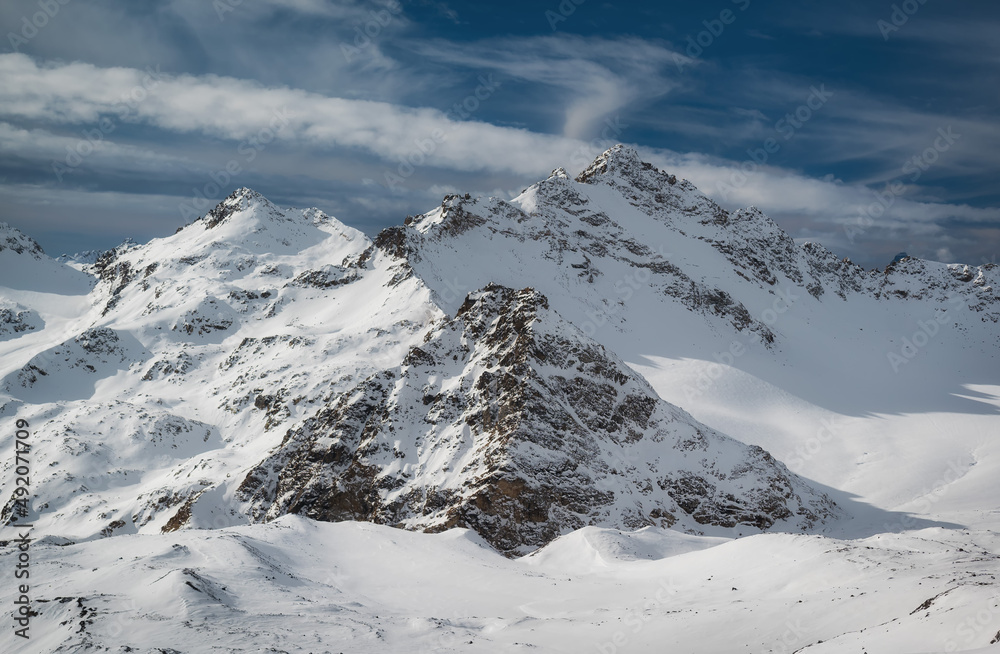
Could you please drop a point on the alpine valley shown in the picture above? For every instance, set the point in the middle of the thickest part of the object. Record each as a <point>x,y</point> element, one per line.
<point>605,416</point>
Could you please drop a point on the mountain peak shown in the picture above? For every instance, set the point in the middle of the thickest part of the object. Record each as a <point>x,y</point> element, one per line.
<point>17,241</point>
<point>550,432</point>
<point>239,200</point>
<point>621,162</point>
<point>616,158</point>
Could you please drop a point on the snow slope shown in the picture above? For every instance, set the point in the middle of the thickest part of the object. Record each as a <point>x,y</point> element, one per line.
<point>185,333</point>
<point>480,366</point>
<point>510,421</point>
<point>835,370</point>
<point>318,357</point>
<point>295,585</point>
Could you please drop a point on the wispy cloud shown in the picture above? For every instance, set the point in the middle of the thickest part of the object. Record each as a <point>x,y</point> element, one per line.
<point>589,78</point>
<point>351,120</point>
<point>236,109</point>
<point>841,216</point>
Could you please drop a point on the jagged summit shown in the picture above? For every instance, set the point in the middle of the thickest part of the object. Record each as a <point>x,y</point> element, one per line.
<point>618,158</point>
<point>693,249</point>
<point>241,200</point>
<point>84,258</point>
<point>247,220</point>
<point>244,241</point>
<point>24,266</point>
<point>248,210</point>
<point>17,242</point>
<point>624,163</point>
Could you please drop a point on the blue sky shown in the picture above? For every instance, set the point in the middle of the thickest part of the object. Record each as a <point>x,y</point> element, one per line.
<point>870,127</point>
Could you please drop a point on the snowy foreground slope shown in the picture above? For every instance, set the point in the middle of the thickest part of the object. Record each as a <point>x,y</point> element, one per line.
<point>295,585</point>
<point>808,450</point>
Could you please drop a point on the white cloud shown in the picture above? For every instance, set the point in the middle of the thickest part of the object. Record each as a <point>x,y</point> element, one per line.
<point>91,148</point>
<point>843,217</point>
<point>777,190</point>
<point>236,109</point>
<point>81,94</point>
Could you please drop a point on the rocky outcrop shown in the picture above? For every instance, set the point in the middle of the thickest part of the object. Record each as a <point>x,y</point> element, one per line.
<point>17,319</point>
<point>512,422</point>
<point>347,378</point>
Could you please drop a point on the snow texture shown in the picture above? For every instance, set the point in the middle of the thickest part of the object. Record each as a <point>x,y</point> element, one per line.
<point>607,414</point>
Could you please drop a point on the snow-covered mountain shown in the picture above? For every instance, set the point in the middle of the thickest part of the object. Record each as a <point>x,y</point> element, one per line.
<point>510,421</point>
<point>500,415</point>
<point>611,352</point>
<point>81,260</point>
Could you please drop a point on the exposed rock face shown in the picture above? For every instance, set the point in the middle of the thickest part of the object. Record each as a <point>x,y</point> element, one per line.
<point>16,319</point>
<point>346,378</point>
<point>622,220</point>
<point>19,243</point>
<point>963,286</point>
<point>570,231</point>
<point>92,354</point>
<point>512,422</point>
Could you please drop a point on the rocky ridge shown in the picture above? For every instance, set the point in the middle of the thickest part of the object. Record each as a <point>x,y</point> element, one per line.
<point>511,422</point>
<point>466,368</point>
